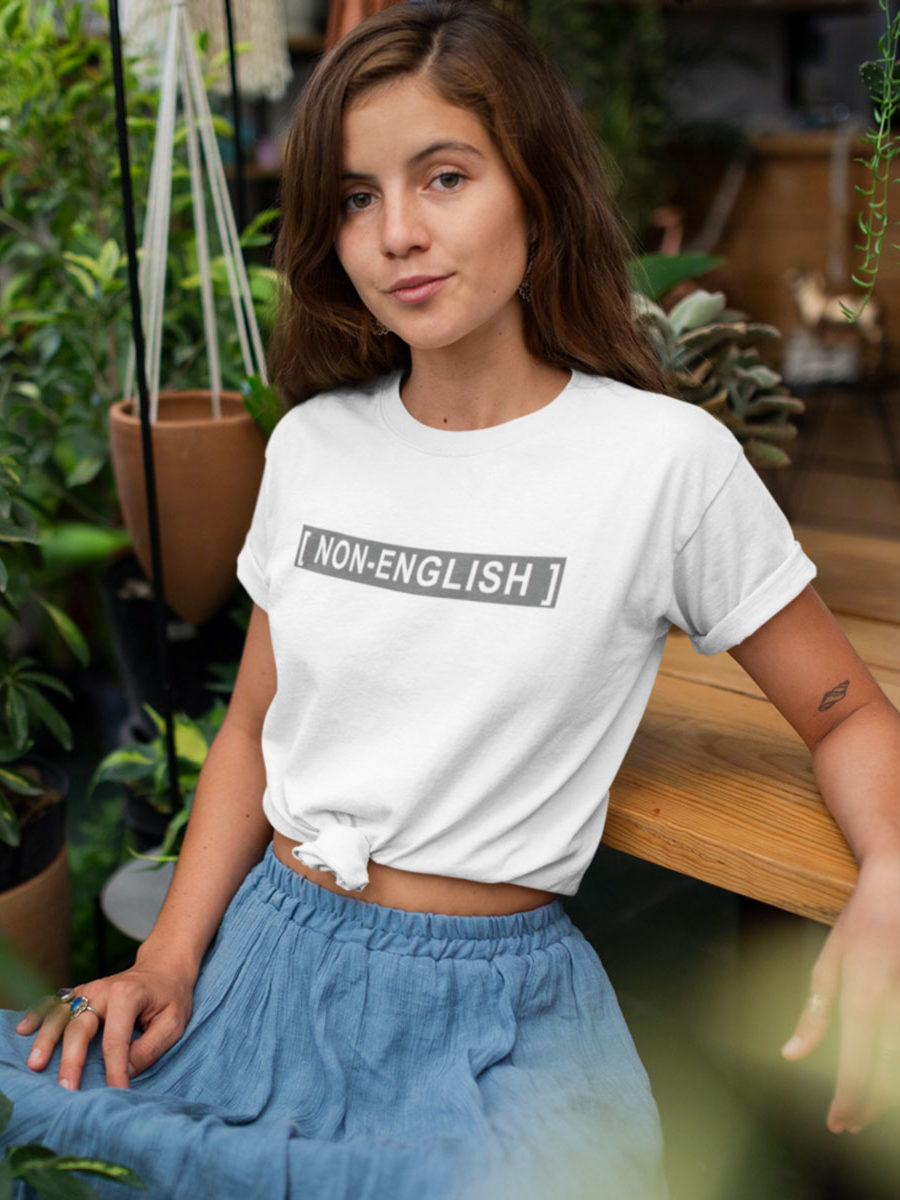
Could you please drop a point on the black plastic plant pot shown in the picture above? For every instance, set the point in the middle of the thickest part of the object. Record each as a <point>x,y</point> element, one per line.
<point>128,600</point>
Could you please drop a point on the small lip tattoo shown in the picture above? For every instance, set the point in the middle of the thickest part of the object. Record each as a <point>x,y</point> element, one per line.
<point>834,696</point>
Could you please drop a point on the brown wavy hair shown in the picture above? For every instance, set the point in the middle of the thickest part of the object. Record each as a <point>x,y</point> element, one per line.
<point>479,59</point>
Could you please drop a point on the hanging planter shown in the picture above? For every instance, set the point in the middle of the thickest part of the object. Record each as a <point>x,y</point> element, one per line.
<point>207,451</point>
<point>207,477</point>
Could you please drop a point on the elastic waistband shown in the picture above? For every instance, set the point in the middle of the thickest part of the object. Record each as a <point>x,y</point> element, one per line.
<point>396,931</point>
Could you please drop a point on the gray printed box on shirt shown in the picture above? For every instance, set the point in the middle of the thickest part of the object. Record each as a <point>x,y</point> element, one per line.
<point>532,581</point>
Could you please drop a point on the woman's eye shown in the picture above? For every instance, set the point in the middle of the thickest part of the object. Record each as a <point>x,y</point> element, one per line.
<point>449,180</point>
<point>357,201</point>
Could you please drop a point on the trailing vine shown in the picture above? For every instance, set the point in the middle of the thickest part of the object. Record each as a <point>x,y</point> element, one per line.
<point>882,80</point>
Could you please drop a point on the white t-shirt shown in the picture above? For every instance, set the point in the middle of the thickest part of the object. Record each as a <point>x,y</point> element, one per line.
<point>467,625</point>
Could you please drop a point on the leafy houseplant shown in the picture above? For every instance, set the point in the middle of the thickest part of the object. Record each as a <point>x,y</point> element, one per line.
<point>144,767</point>
<point>882,79</point>
<point>65,324</point>
<point>708,354</point>
<point>33,866</point>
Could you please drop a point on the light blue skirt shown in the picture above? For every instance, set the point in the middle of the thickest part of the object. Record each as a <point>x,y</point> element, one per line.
<point>343,1050</point>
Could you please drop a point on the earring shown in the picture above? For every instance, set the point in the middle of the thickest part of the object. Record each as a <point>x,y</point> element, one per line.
<point>379,329</point>
<point>524,288</point>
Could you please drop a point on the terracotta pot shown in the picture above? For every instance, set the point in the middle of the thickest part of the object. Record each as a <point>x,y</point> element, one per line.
<point>207,477</point>
<point>34,916</point>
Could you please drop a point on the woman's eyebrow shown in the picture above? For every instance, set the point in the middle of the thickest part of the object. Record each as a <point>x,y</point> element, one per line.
<point>434,148</point>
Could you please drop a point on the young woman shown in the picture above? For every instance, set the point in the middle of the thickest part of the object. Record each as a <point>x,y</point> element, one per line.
<point>478,520</point>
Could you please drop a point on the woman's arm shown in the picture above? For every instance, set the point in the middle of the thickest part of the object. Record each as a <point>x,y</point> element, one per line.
<point>805,665</point>
<point>227,833</point>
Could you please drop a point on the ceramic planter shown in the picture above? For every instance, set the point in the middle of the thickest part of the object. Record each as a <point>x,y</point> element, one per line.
<point>208,472</point>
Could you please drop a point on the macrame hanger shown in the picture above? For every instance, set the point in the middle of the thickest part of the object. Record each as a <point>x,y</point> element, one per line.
<point>238,283</point>
<point>199,209</point>
<point>181,64</point>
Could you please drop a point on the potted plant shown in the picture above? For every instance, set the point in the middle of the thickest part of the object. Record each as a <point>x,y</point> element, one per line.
<point>34,896</point>
<point>64,312</point>
<point>207,450</point>
<point>709,356</point>
<point>144,768</point>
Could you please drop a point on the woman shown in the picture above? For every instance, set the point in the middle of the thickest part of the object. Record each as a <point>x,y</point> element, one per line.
<point>466,553</point>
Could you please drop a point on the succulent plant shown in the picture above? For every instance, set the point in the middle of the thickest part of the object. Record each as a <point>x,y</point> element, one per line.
<point>709,357</point>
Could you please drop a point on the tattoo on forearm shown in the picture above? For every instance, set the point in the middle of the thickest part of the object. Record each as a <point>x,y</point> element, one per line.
<point>834,696</point>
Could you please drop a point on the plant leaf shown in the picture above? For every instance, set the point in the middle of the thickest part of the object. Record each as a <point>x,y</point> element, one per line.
<point>699,308</point>
<point>653,275</point>
<point>68,631</point>
<point>100,1166</point>
<point>41,708</point>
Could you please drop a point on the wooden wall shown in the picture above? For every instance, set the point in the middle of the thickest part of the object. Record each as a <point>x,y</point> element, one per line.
<point>784,219</point>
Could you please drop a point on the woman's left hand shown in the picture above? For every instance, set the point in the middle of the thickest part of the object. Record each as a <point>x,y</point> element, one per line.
<point>856,981</point>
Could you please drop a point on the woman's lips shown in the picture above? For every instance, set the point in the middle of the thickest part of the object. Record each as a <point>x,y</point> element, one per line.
<point>417,289</point>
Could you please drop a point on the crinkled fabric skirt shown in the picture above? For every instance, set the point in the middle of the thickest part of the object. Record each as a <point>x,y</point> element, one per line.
<point>343,1050</point>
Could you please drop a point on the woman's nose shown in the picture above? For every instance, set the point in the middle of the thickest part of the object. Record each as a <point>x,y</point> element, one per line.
<point>402,226</point>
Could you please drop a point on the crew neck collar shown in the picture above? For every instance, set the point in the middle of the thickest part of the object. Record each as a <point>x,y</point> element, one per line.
<point>401,422</point>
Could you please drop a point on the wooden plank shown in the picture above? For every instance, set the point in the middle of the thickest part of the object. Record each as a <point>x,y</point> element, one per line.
<point>859,576</point>
<point>877,644</point>
<point>717,786</point>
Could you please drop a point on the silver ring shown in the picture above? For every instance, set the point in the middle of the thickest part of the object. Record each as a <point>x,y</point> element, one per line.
<point>816,1002</point>
<point>79,1005</point>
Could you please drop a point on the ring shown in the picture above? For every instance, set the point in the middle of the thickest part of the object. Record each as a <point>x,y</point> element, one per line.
<point>816,1002</point>
<point>79,1005</point>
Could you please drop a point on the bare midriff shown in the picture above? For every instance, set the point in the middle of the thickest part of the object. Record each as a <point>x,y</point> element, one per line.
<point>416,892</point>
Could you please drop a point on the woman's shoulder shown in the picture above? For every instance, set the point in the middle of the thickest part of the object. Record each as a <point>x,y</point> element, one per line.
<point>348,400</point>
<point>658,420</point>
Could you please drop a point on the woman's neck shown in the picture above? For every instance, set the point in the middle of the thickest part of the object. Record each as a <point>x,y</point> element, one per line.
<point>450,390</point>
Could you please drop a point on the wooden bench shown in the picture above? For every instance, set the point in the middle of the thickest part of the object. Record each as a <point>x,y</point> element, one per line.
<point>718,786</point>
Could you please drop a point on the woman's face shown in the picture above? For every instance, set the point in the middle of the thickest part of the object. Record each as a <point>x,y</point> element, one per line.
<point>432,233</point>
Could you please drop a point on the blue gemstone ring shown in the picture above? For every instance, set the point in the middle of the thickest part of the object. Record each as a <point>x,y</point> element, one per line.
<point>79,1005</point>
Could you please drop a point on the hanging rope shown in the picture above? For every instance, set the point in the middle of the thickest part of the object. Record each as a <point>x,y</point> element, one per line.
<point>162,645</point>
<point>181,66</point>
<point>264,66</point>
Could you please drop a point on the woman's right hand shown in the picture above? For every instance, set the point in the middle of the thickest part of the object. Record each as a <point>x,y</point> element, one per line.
<point>151,994</point>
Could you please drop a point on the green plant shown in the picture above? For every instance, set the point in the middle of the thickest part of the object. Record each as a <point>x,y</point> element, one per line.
<point>709,357</point>
<point>654,275</point>
<point>622,62</point>
<point>54,1176</point>
<point>144,766</point>
<point>25,706</point>
<point>263,404</point>
<point>97,846</point>
<point>615,59</point>
<point>882,79</point>
<point>65,323</point>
